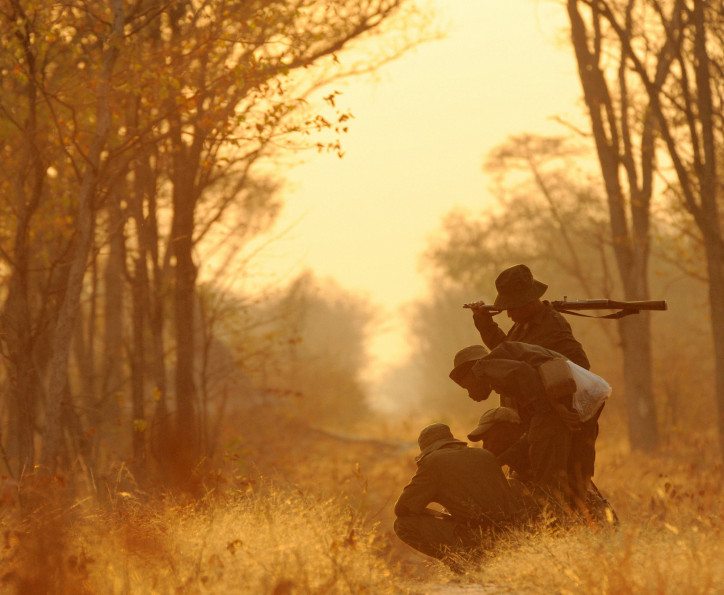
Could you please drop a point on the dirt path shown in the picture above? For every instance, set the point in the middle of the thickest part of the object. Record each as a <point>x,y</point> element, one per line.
<point>454,588</point>
<point>428,577</point>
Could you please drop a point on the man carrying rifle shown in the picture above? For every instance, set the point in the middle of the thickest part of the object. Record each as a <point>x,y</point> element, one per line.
<point>536,322</point>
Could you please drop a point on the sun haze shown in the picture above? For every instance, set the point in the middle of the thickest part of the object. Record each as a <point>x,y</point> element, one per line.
<point>415,148</point>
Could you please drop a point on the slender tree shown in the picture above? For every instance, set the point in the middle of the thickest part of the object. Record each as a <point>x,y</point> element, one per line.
<point>68,314</point>
<point>148,117</point>
<point>227,104</point>
<point>624,131</point>
<point>685,99</point>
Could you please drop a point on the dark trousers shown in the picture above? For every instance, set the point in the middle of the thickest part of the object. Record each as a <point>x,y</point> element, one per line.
<point>550,448</point>
<point>583,455</point>
<point>444,539</point>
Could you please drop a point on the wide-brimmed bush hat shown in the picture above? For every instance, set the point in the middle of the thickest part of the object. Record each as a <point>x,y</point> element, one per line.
<point>517,287</point>
<point>435,436</point>
<point>464,360</point>
<point>492,417</point>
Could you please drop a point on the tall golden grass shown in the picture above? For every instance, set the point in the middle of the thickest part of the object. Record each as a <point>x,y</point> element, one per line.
<point>271,541</point>
<point>319,520</point>
<point>671,507</point>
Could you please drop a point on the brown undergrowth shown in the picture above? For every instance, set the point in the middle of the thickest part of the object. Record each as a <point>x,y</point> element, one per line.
<point>311,512</point>
<point>670,539</point>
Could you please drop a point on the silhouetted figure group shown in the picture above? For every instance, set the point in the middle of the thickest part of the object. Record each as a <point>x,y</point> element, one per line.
<point>538,434</point>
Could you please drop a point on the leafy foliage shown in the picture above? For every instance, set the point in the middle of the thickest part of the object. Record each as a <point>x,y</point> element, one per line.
<point>135,153</point>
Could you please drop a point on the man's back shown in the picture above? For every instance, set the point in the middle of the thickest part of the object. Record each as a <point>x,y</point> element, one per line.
<point>471,486</point>
<point>468,482</point>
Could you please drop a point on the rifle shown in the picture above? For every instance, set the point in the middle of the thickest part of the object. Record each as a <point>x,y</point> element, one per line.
<point>571,307</point>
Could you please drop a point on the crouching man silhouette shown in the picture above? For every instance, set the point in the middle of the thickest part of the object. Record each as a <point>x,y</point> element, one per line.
<point>469,484</point>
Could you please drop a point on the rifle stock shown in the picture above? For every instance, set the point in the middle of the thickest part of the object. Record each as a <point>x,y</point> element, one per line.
<point>572,306</point>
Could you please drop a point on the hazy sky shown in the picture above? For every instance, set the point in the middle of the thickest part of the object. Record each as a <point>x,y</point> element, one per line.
<point>416,145</point>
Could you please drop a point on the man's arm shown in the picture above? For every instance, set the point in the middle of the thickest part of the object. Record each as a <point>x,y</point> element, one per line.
<point>516,457</point>
<point>491,334</point>
<point>438,514</point>
<point>417,494</point>
<point>534,356</point>
<point>515,379</point>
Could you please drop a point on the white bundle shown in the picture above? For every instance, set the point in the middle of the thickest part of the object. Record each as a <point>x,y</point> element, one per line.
<point>591,391</point>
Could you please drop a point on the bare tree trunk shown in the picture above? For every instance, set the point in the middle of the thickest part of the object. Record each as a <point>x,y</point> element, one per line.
<point>156,298</point>
<point>112,371</point>
<point>147,306</point>
<point>637,380</point>
<point>68,315</point>
<point>184,295</point>
<point>631,245</point>
<point>23,386</point>
<point>58,369</point>
<point>138,368</point>
<point>716,300</point>
<point>84,342</point>
<point>635,332</point>
<point>697,169</point>
<point>689,124</point>
<point>710,218</point>
<point>186,160</point>
<point>19,334</point>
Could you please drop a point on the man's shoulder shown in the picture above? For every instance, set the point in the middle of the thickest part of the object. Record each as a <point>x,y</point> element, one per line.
<point>444,456</point>
<point>519,350</point>
<point>550,316</point>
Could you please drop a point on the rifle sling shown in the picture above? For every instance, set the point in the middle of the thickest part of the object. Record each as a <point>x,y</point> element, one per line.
<point>614,315</point>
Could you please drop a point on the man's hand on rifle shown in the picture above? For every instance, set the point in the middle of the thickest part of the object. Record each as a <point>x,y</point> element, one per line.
<point>480,314</point>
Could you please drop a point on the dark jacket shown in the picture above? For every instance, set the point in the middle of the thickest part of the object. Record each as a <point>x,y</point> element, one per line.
<point>548,328</point>
<point>511,369</point>
<point>468,482</point>
<point>517,458</point>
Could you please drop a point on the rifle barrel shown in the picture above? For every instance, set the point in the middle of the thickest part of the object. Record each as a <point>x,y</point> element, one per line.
<point>609,305</point>
<point>591,305</point>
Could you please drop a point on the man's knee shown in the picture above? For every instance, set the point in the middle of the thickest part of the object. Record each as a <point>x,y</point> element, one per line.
<point>410,530</point>
<point>404,527</point>
<point>426,534</point>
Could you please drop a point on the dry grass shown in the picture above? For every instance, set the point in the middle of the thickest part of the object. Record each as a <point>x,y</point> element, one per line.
<point>273,541</point>
<point>670,540</point>
<point>632,559</point>
<point>320,522</point>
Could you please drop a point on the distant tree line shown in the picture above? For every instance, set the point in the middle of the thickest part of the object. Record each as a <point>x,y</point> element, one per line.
<point>131,133</point>
<point>652,78</point>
